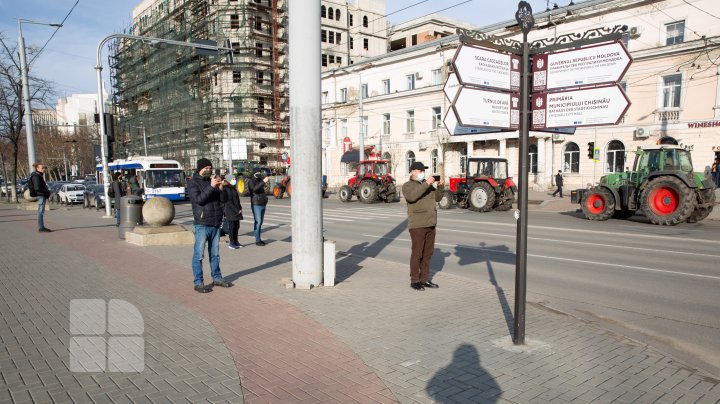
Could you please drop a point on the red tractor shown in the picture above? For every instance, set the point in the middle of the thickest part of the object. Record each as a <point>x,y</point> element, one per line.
<point>372,182</point>
<point>486,186</point>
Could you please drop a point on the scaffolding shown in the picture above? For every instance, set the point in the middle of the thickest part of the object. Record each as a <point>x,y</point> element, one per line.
<point>182,100</point>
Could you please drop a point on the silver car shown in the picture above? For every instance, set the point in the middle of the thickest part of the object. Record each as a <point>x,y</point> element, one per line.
<point>71,193</point>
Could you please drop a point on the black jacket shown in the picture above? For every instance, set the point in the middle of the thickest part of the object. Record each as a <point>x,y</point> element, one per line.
<point>257,187</point>
<point>119,191</point>
<point>37,182</point>
<point>232,206</point>
<point>206,201</point>
<point>558,180</point>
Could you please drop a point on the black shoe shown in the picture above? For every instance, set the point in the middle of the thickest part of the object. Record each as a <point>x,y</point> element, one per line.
<point>222,283</point>
<point>45,230</point>
<point>201,289</point>
<point>260,243</point>
<point>417,286</point>
<point>429,284</point>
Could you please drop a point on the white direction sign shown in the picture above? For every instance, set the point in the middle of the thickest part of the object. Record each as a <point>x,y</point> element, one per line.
<point>453,126</point>
<point>452,85</point>
<point>588,107</point>
<point>599,64</point>
<point>487,109</point>
<point>487,68</point>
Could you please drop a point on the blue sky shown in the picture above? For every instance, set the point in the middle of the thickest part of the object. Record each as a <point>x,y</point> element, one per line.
<point>69,59</point>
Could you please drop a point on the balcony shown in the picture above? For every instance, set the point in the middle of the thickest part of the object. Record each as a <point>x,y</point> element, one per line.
<point>667,115</point>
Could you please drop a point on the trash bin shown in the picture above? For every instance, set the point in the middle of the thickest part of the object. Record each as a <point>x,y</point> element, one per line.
<point>130,214</point>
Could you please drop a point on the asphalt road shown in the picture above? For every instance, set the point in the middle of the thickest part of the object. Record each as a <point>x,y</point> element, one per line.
<point>656,284</point>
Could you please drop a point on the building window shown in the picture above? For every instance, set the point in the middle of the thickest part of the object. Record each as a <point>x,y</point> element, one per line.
<point>365,21</point>
<point>343,128</point>
<point>386,124</point>
<point>323,36</point>
<point>463,159</point>
<point>672,88</point>
<point>236,77</point>
<point>324,60</point>
<point>343,95</point>
<point>364,125</point>
<point>413,40</point>
<point>331,36</point>
<point>338,37</point>
<point>259,50</point>
<point>261,105</point>
<point>338,60</point>
<point>350,19</point>
<point>615,157</point>
<point>324,97</point>
<point>436,77</point>
<point>364,90</point>
<point>675,33</point>
<point>236,48</point>
<point>234,21</point>
<point>337,14</point>
<point>330,13</point>
<point>331,59</point>
<point>258,23</point>
<point>386,86</point>
<point>366,44</point>
<point>410,81</point>
<point>259,77</point>
<point>410,122</point>
<point>409,159</point>
<point>571,158</point>
<point>436,117</point>
<point>387,157</point>
<point>323,12</point>
<point>532,159</point>
<point>351,42</point>
<point>434,161</point>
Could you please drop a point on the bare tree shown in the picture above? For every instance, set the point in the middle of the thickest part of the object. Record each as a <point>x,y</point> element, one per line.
<point>12,110</point>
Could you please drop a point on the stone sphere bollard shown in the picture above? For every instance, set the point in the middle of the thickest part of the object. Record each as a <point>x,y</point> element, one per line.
<point>29,198</point>
<point>158,211</point>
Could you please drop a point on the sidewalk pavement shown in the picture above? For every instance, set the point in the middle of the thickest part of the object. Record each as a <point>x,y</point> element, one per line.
<point>369,339</point>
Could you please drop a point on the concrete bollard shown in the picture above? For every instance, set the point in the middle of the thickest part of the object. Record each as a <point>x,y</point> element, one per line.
<point>329,263</point>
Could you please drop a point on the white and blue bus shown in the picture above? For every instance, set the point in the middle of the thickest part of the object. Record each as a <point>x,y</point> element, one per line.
<point>158,176</point>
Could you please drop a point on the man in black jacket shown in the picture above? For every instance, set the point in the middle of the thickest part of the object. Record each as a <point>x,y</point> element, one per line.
<point>258,202</point>
<point>206,195</point>
<point>38,188</point>
<point>559,183</point>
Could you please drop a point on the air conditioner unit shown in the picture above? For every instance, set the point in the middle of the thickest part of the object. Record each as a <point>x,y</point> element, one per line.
<point>418,76</point>
<point>422,145</point>
<point>641,133</point>
<point>556,137</point>
<point>635,32</point>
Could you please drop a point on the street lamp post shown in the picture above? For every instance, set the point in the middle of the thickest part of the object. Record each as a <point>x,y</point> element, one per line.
<point>101,104</point>
<point>26,90</point>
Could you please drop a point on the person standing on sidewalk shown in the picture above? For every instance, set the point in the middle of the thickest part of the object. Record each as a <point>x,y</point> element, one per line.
<point>118,192</point>
<point>559,183</point>
<point>258,202</point>
<point>233,212</point>
<point>422,196</point>
<point>207,196</point>
<point>38,188</point>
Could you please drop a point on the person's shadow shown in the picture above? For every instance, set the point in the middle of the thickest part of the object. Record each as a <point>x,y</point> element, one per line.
<point>448,381</point>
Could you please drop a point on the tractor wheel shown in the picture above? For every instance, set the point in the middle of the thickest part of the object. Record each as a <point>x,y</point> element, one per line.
<point>447,200</point>
<point>345,193</point>
<point>701,213</point>
<point>368,191</point>
<point>507,199</point>
<point>623,214</point>
<point>599,204</point>
<point>667,201</point>
<point>482,197</point>
<point>390,193</point>
<point>241,187</point>
<point>278,192</point>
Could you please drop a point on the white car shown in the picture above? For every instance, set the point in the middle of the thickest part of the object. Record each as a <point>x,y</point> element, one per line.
<point>71,193</point>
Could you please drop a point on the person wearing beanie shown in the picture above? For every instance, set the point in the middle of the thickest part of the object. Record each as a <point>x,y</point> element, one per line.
<point>422,194</point>
<point>206,194</point>
<point>258,202</point>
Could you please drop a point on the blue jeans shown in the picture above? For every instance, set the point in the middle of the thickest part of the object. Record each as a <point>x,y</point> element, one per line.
<point>211,236</point>
<point>259,217</point>
<point>41,210</point>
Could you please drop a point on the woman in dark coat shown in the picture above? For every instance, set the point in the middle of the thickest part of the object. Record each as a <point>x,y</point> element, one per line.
<point>233,212</point>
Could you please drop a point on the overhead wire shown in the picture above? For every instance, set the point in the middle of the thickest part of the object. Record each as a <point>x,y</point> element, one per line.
<point>54,32</point>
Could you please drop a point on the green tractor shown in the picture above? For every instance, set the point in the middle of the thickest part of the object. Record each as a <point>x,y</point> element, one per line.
<point>244,173</point>
<point>662,184</point>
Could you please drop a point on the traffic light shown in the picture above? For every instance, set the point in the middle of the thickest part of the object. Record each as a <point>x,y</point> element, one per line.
<point>591,150</point>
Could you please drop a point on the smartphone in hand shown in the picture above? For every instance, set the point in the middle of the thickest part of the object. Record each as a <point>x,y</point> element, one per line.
<point>437,178</point>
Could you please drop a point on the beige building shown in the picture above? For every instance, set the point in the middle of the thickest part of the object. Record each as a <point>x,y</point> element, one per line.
<point>352,32</point>
<point>673,86</point>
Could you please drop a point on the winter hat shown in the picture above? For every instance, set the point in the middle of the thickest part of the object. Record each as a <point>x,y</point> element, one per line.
<point>418,166</point>
<point>202,163</point>
<point>256,170</point>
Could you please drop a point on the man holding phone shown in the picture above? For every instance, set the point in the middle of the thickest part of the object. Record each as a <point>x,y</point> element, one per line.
<point>422,195</point>
<point>206,195</point>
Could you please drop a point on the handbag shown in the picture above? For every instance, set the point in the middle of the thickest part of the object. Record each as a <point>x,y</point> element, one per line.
<point>225,227</point>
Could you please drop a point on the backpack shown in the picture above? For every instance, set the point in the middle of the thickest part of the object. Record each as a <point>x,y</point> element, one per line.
<point>31,187</point>
<point>111,190</point>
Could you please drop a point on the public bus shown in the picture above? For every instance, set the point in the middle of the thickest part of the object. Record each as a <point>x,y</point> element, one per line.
<point>158,176</point>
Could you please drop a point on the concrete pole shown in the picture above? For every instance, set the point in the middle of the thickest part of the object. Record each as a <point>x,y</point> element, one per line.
<point>65,164</point>
<point>361,134</point>
<point>26,100</point>
<point>306,138</point>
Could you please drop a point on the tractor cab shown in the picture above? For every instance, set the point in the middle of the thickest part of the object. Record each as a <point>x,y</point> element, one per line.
<point>372,181</point>
<point>493,170</point>
<point>486,186</point>
<point>373,170</point>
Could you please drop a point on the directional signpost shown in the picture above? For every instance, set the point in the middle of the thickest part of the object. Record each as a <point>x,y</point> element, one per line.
<point>584,107</point>
<point>487,68</point>
<point>488,109</point>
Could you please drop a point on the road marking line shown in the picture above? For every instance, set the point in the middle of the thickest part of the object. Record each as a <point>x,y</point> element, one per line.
<point>563,259</point>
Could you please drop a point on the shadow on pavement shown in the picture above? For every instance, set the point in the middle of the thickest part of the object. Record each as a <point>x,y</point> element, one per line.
<point>464,376</point>
<point>437,263</point>
<point>267,265</point>
<point>369,250</point>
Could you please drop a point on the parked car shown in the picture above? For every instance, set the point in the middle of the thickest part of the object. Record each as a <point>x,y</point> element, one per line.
<point>6,188</point>
<point>95,197</point>
<point>54,187</point>
<point>71,193</point>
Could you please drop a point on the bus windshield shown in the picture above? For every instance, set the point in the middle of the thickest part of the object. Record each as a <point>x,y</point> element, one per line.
<point>163,178</point>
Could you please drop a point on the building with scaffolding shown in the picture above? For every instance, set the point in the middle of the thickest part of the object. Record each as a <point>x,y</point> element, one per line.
<point>186,104</point>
